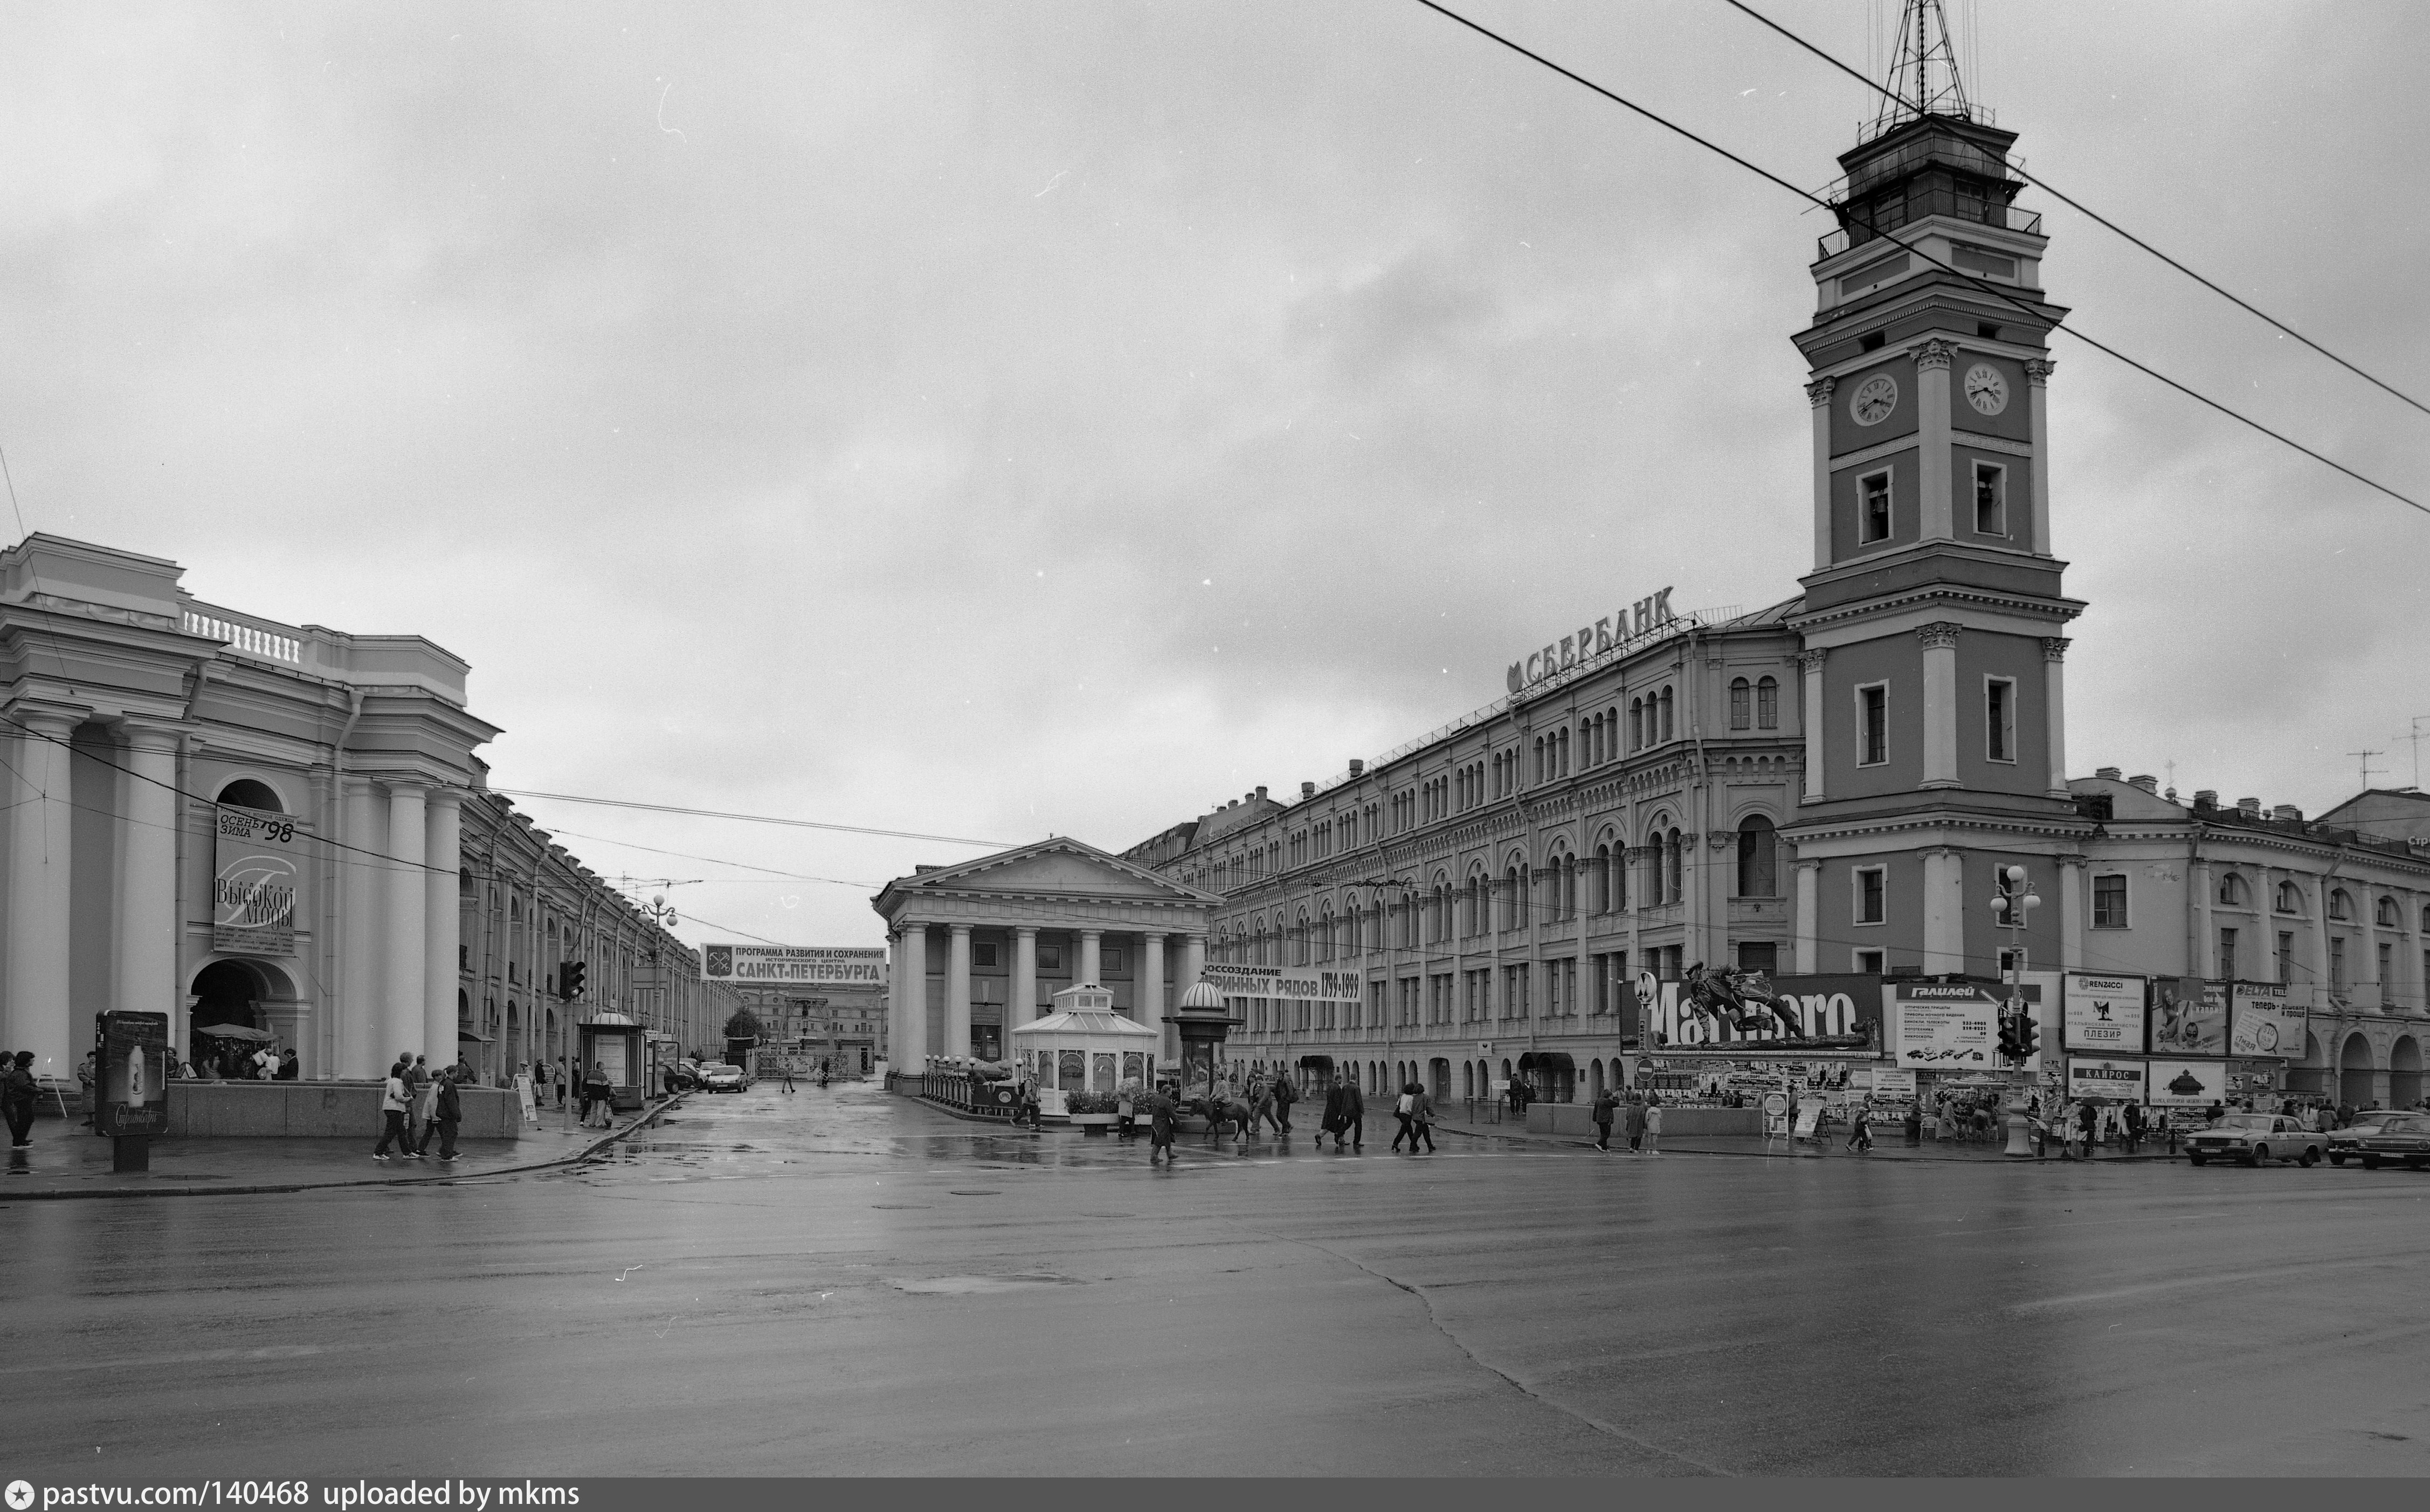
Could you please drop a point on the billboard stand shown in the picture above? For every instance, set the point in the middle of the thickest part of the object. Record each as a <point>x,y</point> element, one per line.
<point>131,1086</point>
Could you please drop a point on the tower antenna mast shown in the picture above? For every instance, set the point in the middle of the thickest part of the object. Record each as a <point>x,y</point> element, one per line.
<point>1924,44</point>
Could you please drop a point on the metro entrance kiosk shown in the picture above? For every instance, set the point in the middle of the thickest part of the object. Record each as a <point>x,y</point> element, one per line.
<point>615,1043</point>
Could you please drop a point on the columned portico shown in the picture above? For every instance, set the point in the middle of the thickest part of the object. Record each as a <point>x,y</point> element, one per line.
<point>908,1040</point>
<point>1024,974</point>
<point>958,991</point>
<point>39,1018</point>
<point>1148,1003</point>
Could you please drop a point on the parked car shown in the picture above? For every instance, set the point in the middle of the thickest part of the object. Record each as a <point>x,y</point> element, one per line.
<point>2400,1136</point>
<point>720,1077</point>
<point>2348,1140</point>
<point>2255,1137</point>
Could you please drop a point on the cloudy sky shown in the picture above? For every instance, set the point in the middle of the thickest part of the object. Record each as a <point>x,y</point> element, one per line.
<point>989,421</point>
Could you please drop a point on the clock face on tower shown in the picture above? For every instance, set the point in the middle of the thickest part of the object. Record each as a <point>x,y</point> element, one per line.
<point>1874,400</point>
<point>1986,389</point>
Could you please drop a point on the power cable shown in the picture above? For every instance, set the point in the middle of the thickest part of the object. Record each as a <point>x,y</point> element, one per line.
<point>2103,221</point>
<point>714,860</point>
<point>748,818</point>
<point>1989,289</point>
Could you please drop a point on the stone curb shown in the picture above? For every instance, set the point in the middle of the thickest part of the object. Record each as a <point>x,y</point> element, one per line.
<point>648,1118</point>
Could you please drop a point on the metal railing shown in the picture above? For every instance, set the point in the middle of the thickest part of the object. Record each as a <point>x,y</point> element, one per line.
<point>1835,242</point>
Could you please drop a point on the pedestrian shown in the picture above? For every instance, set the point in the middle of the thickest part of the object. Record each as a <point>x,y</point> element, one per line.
<point>1029,1103</point>
<point>597,1093</point>
<point>1861,1129</point>
<point>1421,1119</point>
<point>447,1111</point>
<point>1261,1106</point>
<point>1286,1093</point>
<point>19,1093</point>
<point>1331,1123</point>
<point>787,1062</point>
<point>1652,1125</point>
<point>562,1080</point>
<point>1404,1109</point>
<point>2131,1121</point>
<point>397,1100</point>
<point>1913,1123</point>
<point>1635,1115</point>
<point>1354,1115</point>
<point>84,1077</point>
<point>425,1093</point>
<point>1602,1114</point>
<point>290,1069</point>
<point>2088,1123</point>
<point>1161,1122</point>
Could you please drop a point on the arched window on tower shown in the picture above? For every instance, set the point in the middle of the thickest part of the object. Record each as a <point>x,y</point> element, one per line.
<point>1667,726</point>
<point>1758,864</point>
<point>1636,725</point>
<point>1675,883</point>
<point>1767,704</point>
<point>1741,703</point>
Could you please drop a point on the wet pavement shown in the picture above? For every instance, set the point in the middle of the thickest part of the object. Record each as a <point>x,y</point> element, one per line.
<point>841,1282</point>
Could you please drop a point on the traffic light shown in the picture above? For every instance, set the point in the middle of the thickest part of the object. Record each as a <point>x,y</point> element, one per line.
<point>569,979</point>
<point>2027,1037</point>
<point>2009,1046</point>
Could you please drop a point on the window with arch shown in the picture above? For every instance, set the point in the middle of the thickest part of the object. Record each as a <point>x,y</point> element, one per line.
<point>1666,716</point>
<point>2231,892</point>
<point>1766,702</point>
<point>1474,919</point>
<point>1603,876</point>
<point>2386,915</point>
<point>2291,898</point>
<point>1741,703</point>
<point>1514,877</point>
<point>1759,858</point>
<point>1674,862</point>
<point>247,793</point>
<point>2340,905</point>
<point>1656,894</point>
<point>1636,725</point>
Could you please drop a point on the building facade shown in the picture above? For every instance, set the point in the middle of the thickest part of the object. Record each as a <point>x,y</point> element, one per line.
<point>143,722</point>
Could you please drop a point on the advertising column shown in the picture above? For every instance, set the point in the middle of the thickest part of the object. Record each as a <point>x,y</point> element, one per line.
<point>2104,1034</point>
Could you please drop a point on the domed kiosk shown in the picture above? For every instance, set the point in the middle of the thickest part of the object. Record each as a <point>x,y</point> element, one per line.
<point>1084,1045</point>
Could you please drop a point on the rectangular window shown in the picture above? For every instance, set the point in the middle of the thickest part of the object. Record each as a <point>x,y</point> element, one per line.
<point>1741,704</point>
<point>2007,962</point>
<point>2336,964</point>
<point>1999,718</point>
<point>1868,962</point>
<point>2386,969</point>
<point>1767,705</point>
<point>2109,901</point>
<point>1758,955</point>
<point>1991,499</point>
<point>982,955</point>
<point>1050,958</point>
<point>2286,957</point>
<point>1874,509</point>
<point>2226,955</point>
<point>1113,961</point>
<point>1872,725</point>
<point>1872,886</point>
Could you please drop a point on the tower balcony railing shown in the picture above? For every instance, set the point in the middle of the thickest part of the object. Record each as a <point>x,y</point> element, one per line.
<point>1953,205</point>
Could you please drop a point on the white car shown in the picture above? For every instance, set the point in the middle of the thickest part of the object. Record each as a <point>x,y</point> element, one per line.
<point>2255,1138</point>
<point>719,1077</point>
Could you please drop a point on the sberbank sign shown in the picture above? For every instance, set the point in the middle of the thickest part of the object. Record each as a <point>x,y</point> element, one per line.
<point>1645,617</point>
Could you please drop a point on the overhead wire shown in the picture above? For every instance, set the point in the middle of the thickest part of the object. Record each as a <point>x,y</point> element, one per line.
<point>2101,221</point>
<point>1983,286</point>
<point>748,818</point>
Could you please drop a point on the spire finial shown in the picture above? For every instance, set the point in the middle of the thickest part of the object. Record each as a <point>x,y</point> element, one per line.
<point>1924,73</point>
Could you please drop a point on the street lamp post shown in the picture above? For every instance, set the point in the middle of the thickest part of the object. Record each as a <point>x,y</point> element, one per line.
<point>2014,903</point>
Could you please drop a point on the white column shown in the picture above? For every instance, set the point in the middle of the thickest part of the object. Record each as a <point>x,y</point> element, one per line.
<point>1089,941</point>
<point>38,1014</point>
<point>1932,453</point>
<point>1024,976</point>
<point>443,923</point>
<point>1944,912</point>
<point>911,999</point>
<point>958,991</point>
<point>2055,710</point>
<point>408,961</point>
<point>144,979</point>
<point>1147,981</point>
<point>363,1049</point>
<point>1811,662</point>
<point>1818,394</point>
<point>1810,903</point>
<point>2071,913</point>
<point>2201,954</point>
<point>2038,397</point>
<point>1939,704</point>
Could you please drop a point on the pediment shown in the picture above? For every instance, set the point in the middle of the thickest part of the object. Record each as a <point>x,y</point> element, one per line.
<point>1057,868</point>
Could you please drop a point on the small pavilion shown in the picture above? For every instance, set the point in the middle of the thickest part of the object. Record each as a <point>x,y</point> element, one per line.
<point>1084,1044</point>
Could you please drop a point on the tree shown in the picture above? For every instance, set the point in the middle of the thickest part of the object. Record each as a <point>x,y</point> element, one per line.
<point>744,1025</point>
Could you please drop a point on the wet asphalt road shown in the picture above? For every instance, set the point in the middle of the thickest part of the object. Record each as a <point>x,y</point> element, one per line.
<point>840,1282</point>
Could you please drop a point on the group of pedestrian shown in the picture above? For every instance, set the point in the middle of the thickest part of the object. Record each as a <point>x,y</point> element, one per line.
<point>1345,1114</point>
<point>1641,1122</point>
<point>415,1106</point>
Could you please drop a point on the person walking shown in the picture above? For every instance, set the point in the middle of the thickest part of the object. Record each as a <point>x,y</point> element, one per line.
<point>421,1094</point>
<point>1354,1115</point>
<point>1161,1122</point>
<point>1421,1119</point>
<point>1653,1125</point>
<point>19,1093</point>
<point>1261,1106</point>
<point>561,1080</point>
<point>397,1100</point>
<point>1286,1093</point>
<point>1604,1108</point>
<point>1331,1123</point>
<point>2088,1125</point>
<point>1029,1105</point>
<point>1861,1129</point>
<point>787,1062</point>
<point>1632,1114</point>
<point>2132,1122</point>
<point>447,1112</point>
<point>1404,1109</point>
<point>1913,1125</point>
<point>597,1093</point>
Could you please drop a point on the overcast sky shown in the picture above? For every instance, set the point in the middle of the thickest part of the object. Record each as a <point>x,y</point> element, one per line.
<point>991,421</point>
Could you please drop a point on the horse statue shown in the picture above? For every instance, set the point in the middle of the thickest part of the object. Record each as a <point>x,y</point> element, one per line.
<point>1744,999</point>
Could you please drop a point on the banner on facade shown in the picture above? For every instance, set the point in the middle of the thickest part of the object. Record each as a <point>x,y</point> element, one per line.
<point>2103,1014</point>
<point>794,965</point>
<point>256,857</point>
<point>2117,1081</point>
<point>1954,1026</point>
<point>1283,982</point>
<point>2186,1083</point>
<point>1825,1015</point>
<point>2262,1021</point>
<point>2189,1018</point>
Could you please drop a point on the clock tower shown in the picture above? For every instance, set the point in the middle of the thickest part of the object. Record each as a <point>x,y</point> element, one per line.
<point>1933,619</point>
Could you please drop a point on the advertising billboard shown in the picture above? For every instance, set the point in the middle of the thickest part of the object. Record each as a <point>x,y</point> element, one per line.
<point>794,965</point>
<point>1952,1026</point>
<point>130,1084</point>
<point>1283,982</point>
<point>2262,1021</point>
<point>1826,1014</point>
<point>256,856</point>
<point>2186,1083</point>
<point>2103,1014</point>
<point>2189,1018</point>
<point>2116,1081</point>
